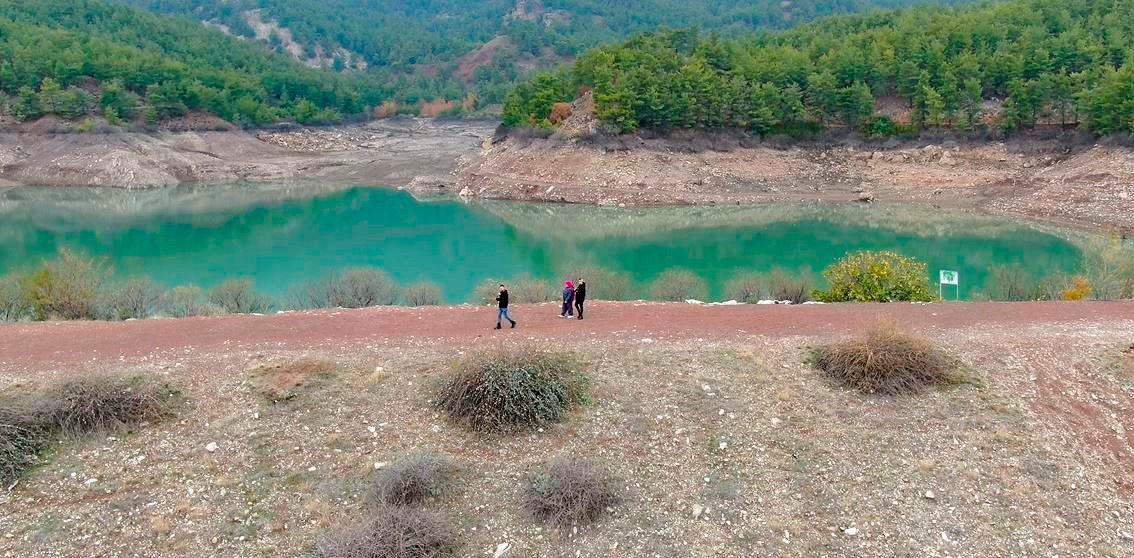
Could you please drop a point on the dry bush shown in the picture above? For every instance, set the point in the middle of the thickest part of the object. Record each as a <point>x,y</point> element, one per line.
<point>359,287</point>
<point>424,293</point>
<point>512,390</point>
<point>746,288</point>
<point>435,108</point>
<point>679,285</point>
<point>106,403</point>
<point>393,532</point>
<point>29,423</point>
<point>486,292</point>
<point>14,304</point>
<point>796,288</point>
<point>66,287</point>
<point>887,361</point>
<point>285,381</point>
<point>136,298</point>
<point>239,296</point>
<point>602,284</point>
<point>24,434</point>
<point>412,479</point>
<point>186,301</point>
<point>526,290</point>
<point>559,112</point>
<point>570,492</point>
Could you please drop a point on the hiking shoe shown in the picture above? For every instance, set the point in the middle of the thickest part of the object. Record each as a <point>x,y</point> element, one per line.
<point>513,325</point>
<point>498,326</point>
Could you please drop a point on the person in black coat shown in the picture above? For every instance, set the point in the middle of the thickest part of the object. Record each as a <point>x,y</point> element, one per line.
<point>502,300</point>
<point>580,296</point>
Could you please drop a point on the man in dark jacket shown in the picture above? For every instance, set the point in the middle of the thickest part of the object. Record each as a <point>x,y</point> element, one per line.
<point>502,298</point>
<point>580,296</point>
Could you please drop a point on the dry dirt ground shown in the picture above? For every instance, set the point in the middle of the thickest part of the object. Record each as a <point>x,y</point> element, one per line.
<point>1088,187</point>
<point>712,407</point>
<point>392,152</point>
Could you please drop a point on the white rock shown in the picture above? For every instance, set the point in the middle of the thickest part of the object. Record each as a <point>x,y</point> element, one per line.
<point>766,302</point>
<point>852,531</point>
<point>211,447</point>
<point>503,550</point>
<point>698,511</point>
<point>693,301</point>
<point>379,464</point>
<point>929,495</point>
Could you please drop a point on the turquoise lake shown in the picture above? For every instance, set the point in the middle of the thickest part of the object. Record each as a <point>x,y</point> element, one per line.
<point>282,236</point>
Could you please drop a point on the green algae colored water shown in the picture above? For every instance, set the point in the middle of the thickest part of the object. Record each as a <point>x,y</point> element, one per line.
<point>286,234</point>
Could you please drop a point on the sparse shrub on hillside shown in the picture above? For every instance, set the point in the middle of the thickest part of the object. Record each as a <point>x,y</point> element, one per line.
<point>1011,283</point>
<point>796,288</point>
<point>512,389</point>
<point>66,288</point>
<point>602,284</point>
<point>96,404</point>
<point>136,298</point>
<point>746,288</point>
<point>359,287</point>
<point>528,290</point>
<point>877,277</point>
<point>13,302</point>
<point>1080,289</point>
<point>677,285</point>
<point>570,492</point>
<point>412,479</point>
<point>186,301</point>
<point>486,292</point>
<point>424,293</point>
<point>393,532</point>
<point>1108,267</point>
<point>239,296</point>
<point>886,361</point>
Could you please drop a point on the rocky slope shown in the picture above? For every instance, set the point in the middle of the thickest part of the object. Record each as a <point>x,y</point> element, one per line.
<point>387,152</point>
<point>1091,186</point>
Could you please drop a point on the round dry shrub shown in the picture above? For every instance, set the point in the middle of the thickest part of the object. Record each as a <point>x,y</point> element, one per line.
<point>412,479</point>
<point>24,434</point>
<point>393,532</point>
<point>570,492</point>
<point>679,285</point>
<point>887,361</point>
<point>424,293</point>
<point>105,403</point>
<point>512,390</point>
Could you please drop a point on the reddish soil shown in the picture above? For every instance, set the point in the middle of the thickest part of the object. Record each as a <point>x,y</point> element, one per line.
<point>35,345</point>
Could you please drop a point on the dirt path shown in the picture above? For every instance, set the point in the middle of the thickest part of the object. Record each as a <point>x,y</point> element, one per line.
<point>24,346</point>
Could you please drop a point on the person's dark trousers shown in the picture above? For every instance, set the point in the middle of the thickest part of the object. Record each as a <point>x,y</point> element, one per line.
<point>567,310</point>
<point>579,308</point>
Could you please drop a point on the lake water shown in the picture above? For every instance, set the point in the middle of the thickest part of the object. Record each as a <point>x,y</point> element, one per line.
<point>284,235</point>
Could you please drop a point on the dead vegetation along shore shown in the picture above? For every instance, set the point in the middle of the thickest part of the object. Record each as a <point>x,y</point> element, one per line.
<point>730,448</point>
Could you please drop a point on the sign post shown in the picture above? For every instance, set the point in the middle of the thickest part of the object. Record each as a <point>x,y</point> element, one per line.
<point>949,277</point>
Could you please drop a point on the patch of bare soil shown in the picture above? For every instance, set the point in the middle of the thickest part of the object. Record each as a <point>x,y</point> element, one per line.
<point>732,447</point>
<point>1092,187</point>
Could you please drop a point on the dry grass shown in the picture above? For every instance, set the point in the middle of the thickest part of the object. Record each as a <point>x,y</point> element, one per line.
<point>512,390</point>
<point>97,404</point>
<point>886,361</point>
<point>285,381</point>
<point>570,492</point>
<point>412,479</point>
<point>393,532</point>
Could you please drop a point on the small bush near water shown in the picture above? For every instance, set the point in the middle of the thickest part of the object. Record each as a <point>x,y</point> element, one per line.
<point>602,284</point>
<point>510,390</point>
<point>360,287</point>
<point>570,492</point>
<point>393,532</point>
<point>186,301</point>
<point>424,293</point>
<point>239,296</point>
<point>750,288</point>
<point>678,285</point>
<point>411,480</point>
<point>136,298</point>
<point>65,288</point>
<point>886,361</point>
<point>97,404</point>
<point>877,277</point>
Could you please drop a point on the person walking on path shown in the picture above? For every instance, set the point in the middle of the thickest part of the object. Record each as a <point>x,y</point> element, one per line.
<point>580,296</point>
<point>568,300</point>
<point>502,299</point>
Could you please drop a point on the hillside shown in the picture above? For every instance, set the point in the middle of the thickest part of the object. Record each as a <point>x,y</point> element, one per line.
<point>431,49</point>
<point>74,58</point>
<point>993,67</point>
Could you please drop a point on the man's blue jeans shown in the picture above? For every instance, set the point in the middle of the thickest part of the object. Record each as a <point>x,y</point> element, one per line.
<point>504,315</point>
